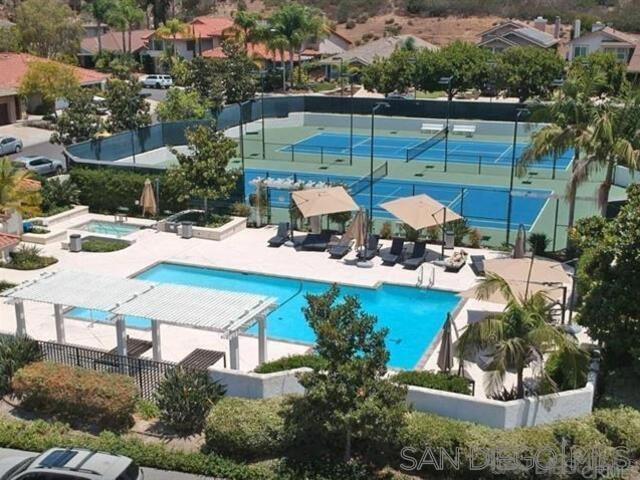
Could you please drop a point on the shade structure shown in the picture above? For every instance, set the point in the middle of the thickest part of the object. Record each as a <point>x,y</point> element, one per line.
<point>323,201</point>
<point>148,199</point>
<point>445,355</point>
<point>420,211</point>
<point>358,229</point>
<point>520,247</point>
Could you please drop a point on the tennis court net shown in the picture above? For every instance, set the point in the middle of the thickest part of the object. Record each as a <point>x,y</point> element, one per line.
<point>419,149</point>
<point>363,183</point>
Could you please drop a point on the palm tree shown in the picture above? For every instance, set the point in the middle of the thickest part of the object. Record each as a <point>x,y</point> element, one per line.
<point>15,194</point>
<point>171,29</point>
<point>517,337</point>
<point>124,16</point>
<point>247,23</point>
<point>277,44</point>
<point>100,9</point>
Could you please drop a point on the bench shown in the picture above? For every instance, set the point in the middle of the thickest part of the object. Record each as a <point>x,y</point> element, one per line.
<point>467,130</point>
<point>431,127</point>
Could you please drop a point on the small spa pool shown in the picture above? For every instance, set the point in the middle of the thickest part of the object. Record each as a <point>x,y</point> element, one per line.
<point>103,227</point>
<point>413,316</point>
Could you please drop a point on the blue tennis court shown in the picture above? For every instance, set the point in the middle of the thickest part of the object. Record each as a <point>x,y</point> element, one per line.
<point>403,148</point>
<point>483,207</point>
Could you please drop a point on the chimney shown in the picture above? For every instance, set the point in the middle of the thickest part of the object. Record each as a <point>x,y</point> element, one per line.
<point>540,23</point>
<point>557,27</point>
<point>596,27</point>
<point>576,28</point>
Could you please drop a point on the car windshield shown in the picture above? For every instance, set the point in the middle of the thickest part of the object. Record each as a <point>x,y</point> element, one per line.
<point>131,473</point>
<point>19,467</point>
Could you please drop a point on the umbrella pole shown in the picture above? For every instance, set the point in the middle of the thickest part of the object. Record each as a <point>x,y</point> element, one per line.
<point>526,290</point>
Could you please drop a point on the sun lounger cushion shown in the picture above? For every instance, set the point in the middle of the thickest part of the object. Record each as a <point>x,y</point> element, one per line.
<point>281,236</point>
<point>395,253</point>
<point>417,256</point>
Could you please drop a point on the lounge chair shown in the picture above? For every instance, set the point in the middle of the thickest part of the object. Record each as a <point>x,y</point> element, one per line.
<point>395,253</point>
<point>341,247</point>
<point>371,249</point>
<point>417,256</point>
<point>477,265</point>
<point>316,242</point>
<point>453,263</point>
<point>281,236</point>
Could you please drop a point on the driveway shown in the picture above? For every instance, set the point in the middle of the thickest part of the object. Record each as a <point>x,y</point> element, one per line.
<point>29,135</point>
<point>149,473</point>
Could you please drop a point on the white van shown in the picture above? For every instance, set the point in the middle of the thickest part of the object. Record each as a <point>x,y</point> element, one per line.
<point>157,81</point>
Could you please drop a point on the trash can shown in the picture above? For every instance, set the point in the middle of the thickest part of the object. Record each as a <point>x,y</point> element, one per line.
<point>449,239</point>
<point>187,229</point>
<point>75,243</point>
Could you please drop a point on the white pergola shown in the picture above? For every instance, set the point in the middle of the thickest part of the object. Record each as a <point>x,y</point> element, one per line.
<point>194,307</point>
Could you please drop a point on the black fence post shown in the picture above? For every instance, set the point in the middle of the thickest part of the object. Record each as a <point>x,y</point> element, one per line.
<point>293,155</point>
<point>479,164</point>
<point>555,224</point>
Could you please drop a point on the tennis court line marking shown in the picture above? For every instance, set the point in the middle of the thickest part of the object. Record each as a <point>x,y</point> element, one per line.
<point>497,160</point>
<point>544,205</point>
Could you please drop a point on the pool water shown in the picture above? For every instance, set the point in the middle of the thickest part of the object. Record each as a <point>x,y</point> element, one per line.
<point>413,316</point>
<point>108,228</point>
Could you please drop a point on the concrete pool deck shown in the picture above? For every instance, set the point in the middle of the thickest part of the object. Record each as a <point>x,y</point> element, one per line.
<point>245,251</point>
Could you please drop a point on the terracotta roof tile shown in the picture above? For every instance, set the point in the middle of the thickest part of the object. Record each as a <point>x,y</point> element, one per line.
<point>7,240</point>
<point>112,41</point>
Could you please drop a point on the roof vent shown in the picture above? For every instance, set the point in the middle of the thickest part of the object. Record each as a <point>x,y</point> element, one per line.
<point>540,23</point>
<point>597,26</point>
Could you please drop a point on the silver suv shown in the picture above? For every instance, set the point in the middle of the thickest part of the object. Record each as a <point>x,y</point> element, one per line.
<point>68,464</point>
<point>10,145</point>
<point>157,81</point>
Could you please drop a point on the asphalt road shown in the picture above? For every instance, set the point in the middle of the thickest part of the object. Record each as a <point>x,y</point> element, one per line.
<point>149,473</point>
<point>46,149</point>
<point>157,94</point>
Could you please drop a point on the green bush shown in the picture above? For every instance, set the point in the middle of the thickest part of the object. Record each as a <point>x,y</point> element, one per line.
<point>291,362</point>
<point>437,381</point>
<point>39,436</point>
<point>28,258</point>
<point>103,245</point>
<point>246,428</point>
<point>4,285</point>
<point>566,374</point>
<point>58,195</point>
<point>104,399</point>
<point>621,426</point>
<point>185,398</point>
<point>147,410</point>
<point>15,353</point>
<point>539,243</point>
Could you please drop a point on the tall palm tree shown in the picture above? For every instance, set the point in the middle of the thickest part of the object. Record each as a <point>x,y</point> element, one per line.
<point>171,29</point>
<point>247,23</point>
<point>277,44</point>
<point>14,191</point>
<point>124,16</point>
<point>517,337</point>
<point>100,9</point>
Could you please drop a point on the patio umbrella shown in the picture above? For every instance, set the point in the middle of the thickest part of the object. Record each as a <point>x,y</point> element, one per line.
<point>420,211</point>
<point>445,356</point>
<point>323,201</point>
<point>148,199</point>
<point>520,247</point>
<point>358,229</point>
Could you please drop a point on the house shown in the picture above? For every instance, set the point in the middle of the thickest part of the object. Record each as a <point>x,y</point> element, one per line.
<point>8,243</point>
<point>112,42</point>
<point>92,29</point>
<point>514,33</point>
<point>601,38</point>
<point>14,66</point>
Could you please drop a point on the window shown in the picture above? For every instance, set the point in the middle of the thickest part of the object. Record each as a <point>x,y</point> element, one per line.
<point>191,45</point>
<point>131,473</point>
<point>580,51</point>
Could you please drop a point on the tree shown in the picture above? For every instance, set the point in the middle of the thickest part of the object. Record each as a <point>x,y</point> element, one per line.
<point>49,28</point>
<point>203,76</point>
<point>238,72</point>
<point>10,39</point>
<point>100,10</point>
<point>516,337</point>
<point>466,63</point>
<point>79,121</point>
<point>527,72</point>
<point>392,74</point>
<point>277,44</point>
<point>128,109</point>
<point>124,16</point>
<point>203,172</point>
<point>50,81</point>
<point>604,69</point>
<point>171,29</point>
<point>348,404</point>
<point>182,105</point>
<point>608,281</point>
<point>15,193</point>
<point>247,23</point>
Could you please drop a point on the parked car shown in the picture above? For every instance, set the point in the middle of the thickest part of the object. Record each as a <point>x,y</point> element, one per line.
<point>39,164</point>
<point>100,104</point>
<point>10,145</point>
<point>68,464</point>
<point>157,81</point>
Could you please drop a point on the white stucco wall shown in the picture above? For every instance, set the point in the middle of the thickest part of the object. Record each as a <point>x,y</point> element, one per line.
<point>257,385</point>
<point>592,40</point>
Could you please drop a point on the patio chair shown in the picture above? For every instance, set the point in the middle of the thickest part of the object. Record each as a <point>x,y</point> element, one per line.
<point>371,249</point>
<point>316,242</point>
<point>340,248</point>
<point>395,253</point>
<point>453,263</point>
<point>417,256</point>
<point>477,265</point>
<point>281,236</point>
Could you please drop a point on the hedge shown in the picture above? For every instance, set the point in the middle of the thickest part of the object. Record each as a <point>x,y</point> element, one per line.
<point>246,428</point>
<point>38,436</point>
<point>291,362</point>
<point>437,381</point>
<point>106,399</point>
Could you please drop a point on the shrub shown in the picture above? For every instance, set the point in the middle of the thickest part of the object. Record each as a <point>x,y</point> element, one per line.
<point>184,399</point>
<point>147,410</point>
<point>566,374</point>
<point>58,195</point>
<point>621,426</point>
<point>103,245</point>
<point>107,400</point>
<point>28,258</point>
<point>539,243</point>
<point>4,285</point>
<point>437,381</point>
<point>291,362</point>
<point>15,353</point>
<point>214,220</point>
<point>475,237</point>
<point>386,231</point>
<point>246,428</point>
<point>240,209</point>
<point>350,24</point>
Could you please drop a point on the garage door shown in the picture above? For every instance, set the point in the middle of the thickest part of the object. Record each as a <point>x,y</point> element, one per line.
<point>4,114</point>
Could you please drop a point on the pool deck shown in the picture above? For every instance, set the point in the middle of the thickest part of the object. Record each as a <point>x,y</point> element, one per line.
<point>244,251</point>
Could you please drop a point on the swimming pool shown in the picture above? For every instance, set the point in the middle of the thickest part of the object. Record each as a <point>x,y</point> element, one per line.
<point>108,228</point>
<point>413,316</point>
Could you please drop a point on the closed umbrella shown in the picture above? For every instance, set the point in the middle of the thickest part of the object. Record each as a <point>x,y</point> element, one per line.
<point>445,356</point>
<point>148,199</point>
<point>358,229</point>
<point>520,247</point>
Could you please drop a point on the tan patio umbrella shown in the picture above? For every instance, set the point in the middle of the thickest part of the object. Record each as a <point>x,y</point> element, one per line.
<point>357,230</point>
<point>323,201</point>
<point>445,355</point>
<point>420,211</point>
<point>520,247</point>
<point>148,199</point>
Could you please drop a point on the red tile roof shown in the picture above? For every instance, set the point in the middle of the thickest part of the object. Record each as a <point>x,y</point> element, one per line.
<point>112,41</point>
<point>7,240</point>
<point>15,65</point>
<point>204,27</point>
<point>257,51</point>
